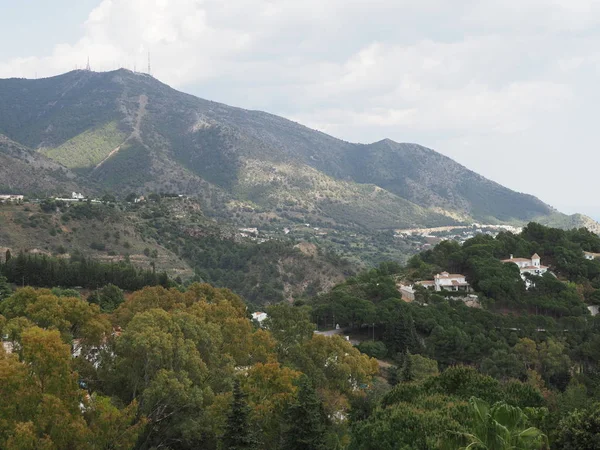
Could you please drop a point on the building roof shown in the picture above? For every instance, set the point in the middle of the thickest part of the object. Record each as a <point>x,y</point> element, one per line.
<point>459,283</point>
<point>535,256</point>
<point>515,260</point>
<point>534,267</point>
<point>449,275</point>
<point>425,283</point>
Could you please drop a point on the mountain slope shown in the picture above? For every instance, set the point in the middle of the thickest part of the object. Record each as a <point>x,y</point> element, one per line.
<point>129,132</point>
<point>25,171</point>
<point>172,235</point>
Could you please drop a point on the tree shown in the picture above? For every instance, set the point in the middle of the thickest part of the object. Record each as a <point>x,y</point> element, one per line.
<point>499,427</point>
<point>333,363</point>
<point>407,373</point>
<point>270,388</point>
<point>580,430</point>
<point>289,325</point>
<point>5,289</point>
<point>305,419</point>
<point>238,431</point>
<point>108,298</point>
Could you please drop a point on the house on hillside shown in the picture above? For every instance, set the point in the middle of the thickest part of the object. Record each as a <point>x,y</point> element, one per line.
<point>532,266</point>
<point>591,256</point>
<point>447,282</point>
<point>11,198</point>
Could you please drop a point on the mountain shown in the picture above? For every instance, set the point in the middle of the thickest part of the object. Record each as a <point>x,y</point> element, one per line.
<point>127,132</point>
<point>24,170</point>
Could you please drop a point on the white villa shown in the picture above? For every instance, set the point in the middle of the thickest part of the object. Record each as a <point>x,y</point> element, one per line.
<point>531,266</point>
<point>447,282</point>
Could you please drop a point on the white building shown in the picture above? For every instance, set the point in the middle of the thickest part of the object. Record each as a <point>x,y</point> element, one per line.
<point>407,292</point>
<point>531,266</point>
<point>259,316</point>
<point>591,256</point>
<point>77,196</point>
<point>11,198</point>
<point>447,282</point>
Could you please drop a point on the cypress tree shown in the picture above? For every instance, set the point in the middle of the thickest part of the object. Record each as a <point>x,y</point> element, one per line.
<point>238,432</point>
<point>407,373</point>
<point>306,420</point>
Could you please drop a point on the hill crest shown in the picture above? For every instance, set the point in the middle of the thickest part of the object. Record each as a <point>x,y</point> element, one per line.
<point>128,132</point>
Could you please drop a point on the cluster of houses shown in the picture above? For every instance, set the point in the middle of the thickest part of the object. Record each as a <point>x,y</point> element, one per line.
<point>10,198</point>
<point>454,282</point>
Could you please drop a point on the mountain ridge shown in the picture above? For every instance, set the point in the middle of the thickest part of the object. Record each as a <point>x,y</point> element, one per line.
<point>233,157</point>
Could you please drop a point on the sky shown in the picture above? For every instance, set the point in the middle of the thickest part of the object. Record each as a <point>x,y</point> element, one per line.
<point>508,88</point>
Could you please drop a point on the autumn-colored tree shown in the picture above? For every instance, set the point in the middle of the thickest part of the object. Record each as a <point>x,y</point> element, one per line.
<point>270,389</point>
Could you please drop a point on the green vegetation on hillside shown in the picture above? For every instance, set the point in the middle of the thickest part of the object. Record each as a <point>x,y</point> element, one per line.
<point>89,148</point>
<point>186,368</point>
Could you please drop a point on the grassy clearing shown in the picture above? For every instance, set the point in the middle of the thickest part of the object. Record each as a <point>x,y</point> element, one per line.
<point>86,150</point>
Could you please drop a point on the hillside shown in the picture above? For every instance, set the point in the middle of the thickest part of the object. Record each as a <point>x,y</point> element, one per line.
<point>127,132</point>
<point>171,235</point>
<point>24,170</point>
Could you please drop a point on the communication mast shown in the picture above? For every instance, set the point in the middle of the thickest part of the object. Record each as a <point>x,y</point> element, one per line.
<point>87,67</point>
<point>149,67</point>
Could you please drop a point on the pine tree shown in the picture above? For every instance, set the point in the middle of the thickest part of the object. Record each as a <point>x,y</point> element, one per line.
<point>5,289</point>
<point>393,375</point>
<point>407,373</point>
<point>306,420</point>
<point>238,432</point>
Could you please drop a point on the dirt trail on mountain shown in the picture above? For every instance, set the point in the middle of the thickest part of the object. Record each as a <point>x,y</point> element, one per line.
<point>135,134</point>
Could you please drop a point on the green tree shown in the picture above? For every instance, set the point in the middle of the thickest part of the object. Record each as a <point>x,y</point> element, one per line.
<point>290,325</point>
<point>238,430</point>
<point>499,427</point>
<point>108,298</point>
<point>407,374</point>
<point>580,430</point>
<point>306,420</point>
<point>5,289</point>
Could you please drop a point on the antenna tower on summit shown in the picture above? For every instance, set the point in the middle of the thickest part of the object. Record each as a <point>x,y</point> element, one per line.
<point>87,67</point>
<point>149,67</point>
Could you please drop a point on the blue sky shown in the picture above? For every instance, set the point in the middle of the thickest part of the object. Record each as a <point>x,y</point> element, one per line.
<point>507,88</point>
